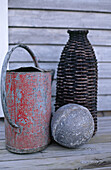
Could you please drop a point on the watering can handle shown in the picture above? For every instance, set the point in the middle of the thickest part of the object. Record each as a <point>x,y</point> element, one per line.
<point>3,79</point>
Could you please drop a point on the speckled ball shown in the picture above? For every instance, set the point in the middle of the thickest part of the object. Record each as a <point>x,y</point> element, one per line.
<point>72,125</point>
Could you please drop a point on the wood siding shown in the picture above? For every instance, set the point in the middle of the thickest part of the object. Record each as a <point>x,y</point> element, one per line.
<point>42,25</point>
<point>3,39</point>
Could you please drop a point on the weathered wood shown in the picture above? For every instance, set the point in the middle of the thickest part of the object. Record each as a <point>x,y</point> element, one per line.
<point>106,167</point>
<point>100,138</point>
<point>103,6</point>
<point>2,129</point>
<point>105,125</point>
<point>104,119</point>
<point>64,19</point>
<point>68,162</point>
<point>2,126</point>
<point>55,150</point>
<point>104,70</point>
<point>52,53</point>
<point>102,53</point>
<point>95,154</point>
<point>2,144</point>
<point>2,135</point>
<point>54,36</point>
<point>46,156</point>
<point>103,87</point>
<point>104,113</point>
<point>4,37</point>
<point>103,103</point>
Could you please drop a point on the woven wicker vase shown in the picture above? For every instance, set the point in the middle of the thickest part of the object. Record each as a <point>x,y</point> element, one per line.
<point>77,74</point>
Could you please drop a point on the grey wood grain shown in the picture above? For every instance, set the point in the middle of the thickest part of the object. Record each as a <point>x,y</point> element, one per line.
<point>58,19</point>
<point>2,145</point>
<point>2,135</point>
<point>95,5</point>
<point>103,87</point>
<point>54,36</point>
<point>68,162</point>
<point>104,119</point>
<point>103,103</point>
<point>104,69</point>
<point>55,150</point>
<point>52,53</point>
<point>106,167</point>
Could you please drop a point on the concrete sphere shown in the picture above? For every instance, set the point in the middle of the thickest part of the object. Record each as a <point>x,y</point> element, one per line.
<point>72,125</point>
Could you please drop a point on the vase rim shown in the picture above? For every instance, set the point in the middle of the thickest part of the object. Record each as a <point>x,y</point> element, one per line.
<point>83,31</point>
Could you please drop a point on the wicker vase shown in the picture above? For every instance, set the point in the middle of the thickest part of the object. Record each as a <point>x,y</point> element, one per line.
<point>77,74</point>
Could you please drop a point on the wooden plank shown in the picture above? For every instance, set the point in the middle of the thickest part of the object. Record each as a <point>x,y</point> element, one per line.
<point>4,38</point>
<point>52,53</point>
<point>103,103</point>
<point>55,150</point>
<point>105,128</point>
<point>104,113</point>
<point>104,119</point>
<point>2,127</point>
<point>104,69</point>
<point>105,131</point>
<point>100,138</point>
<point>103,87</point>
<point>107,167</point>
<point>102,54</point>
<point>105,124</point>
<point>95,154</point>
<point>2,135</point>
<point>59,19</point>
<point>2,145</point>
<point>54,36</point>
<point>43,53</point>
<point>82,5</point>
<point>69,162</point>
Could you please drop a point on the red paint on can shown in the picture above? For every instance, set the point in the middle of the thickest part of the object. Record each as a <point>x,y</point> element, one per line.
<point>28,97</point>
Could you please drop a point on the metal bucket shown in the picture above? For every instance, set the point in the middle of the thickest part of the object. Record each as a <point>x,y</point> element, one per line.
<point>26,101</point>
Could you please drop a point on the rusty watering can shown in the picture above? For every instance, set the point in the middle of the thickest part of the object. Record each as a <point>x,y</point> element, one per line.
<point>26,102</point>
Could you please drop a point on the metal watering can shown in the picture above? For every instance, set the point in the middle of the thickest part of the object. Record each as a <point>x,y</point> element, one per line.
<point>26,102</point>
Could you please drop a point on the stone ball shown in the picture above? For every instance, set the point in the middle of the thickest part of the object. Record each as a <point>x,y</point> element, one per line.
<point>72,125</point>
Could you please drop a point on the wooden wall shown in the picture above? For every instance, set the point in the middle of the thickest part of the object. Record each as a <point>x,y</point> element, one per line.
<point>3,39</point>
<point>43,24</point>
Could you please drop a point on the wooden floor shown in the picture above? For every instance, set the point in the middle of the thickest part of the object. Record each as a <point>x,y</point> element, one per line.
<point>95,155</point>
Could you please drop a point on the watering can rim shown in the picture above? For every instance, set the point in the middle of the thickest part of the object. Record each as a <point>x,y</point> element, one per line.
<point>36,70</point>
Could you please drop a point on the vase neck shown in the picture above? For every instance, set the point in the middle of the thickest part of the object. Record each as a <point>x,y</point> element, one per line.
<point>77,33</point>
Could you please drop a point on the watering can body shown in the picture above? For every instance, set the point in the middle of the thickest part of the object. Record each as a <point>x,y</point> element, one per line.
<point>27,109</point>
